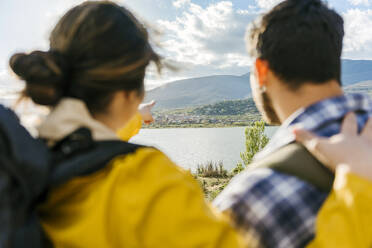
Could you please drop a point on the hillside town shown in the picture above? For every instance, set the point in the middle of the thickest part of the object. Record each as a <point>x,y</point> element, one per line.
<point>181,120</point>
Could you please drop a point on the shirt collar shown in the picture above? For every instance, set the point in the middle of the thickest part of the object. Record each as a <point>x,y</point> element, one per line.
<point>324,118</point>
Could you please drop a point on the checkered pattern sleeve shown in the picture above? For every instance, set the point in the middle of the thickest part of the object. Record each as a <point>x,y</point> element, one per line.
<point>276,209</point>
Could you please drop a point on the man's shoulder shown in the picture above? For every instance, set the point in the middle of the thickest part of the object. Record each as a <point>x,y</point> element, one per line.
<point>288,170</point>
<point>261,184</point>
<point>295,160</point>
<point>280,208</point>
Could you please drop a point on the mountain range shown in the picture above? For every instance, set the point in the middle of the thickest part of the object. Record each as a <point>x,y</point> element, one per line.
<point>200,91</point>
<point>212,89</point>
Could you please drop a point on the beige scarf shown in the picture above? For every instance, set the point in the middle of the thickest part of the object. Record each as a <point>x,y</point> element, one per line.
<point>69,115</point>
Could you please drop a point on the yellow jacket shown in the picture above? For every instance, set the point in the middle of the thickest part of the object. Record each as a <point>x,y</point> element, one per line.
<point>346,217</point>
<point>131,129</point>
<point>138,200</point>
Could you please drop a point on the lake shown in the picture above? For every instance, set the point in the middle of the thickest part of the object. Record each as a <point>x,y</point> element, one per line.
<point>189,147</point>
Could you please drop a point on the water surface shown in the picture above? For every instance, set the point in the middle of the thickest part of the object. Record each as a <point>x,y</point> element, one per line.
<point>189,147</point>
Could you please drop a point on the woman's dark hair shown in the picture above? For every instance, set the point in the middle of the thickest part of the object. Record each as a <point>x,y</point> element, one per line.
<point>301,40</point>
<point>96,48</point>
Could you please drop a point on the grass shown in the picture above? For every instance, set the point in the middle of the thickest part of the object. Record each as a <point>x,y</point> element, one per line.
<point>213,178</point>
<point>212,186</point>
<point>212,169</point>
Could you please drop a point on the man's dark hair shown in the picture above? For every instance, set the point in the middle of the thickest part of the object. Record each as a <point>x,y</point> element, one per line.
<point>301,40</point>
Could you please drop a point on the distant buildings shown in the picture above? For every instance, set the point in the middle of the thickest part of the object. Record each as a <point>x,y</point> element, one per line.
<point>185,119</point>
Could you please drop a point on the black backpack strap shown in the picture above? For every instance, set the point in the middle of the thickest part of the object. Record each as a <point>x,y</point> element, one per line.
<point>78,155</point>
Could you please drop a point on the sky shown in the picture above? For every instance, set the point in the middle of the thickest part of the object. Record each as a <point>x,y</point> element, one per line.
<point>199,37</point>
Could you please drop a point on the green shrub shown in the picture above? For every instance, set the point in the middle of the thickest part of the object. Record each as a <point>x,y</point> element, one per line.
<point>255,141</point>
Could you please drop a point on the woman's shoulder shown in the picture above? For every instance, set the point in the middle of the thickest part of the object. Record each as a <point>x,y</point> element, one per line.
<point>149,162</point>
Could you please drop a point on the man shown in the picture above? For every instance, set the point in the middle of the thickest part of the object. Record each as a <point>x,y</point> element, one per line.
<point>295,80</point>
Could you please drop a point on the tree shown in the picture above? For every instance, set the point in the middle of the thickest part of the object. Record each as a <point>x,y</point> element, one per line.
<point>255,141</point>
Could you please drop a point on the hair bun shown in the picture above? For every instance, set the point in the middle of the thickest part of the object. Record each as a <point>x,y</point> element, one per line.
<point>45,75</point>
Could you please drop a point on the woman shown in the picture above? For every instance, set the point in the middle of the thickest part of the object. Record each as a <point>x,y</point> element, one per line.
<point>346,217</point>
<point>93,76</point>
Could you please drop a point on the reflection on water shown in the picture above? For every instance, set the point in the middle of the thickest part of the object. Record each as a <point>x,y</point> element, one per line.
<point>189,147</point>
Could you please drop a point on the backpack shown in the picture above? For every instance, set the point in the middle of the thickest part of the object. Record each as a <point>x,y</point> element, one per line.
<point>29,170</point>
<point>294,159</point>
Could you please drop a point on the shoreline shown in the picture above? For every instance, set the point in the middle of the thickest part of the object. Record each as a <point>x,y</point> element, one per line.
<point>199,126</point>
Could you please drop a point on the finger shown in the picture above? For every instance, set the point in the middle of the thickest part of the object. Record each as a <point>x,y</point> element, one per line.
<point>152,103</point>
<point>349,125</point>
<point>303,136</point>
<point>367,130</point>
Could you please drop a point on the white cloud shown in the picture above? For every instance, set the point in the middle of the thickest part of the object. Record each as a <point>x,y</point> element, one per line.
<point>181,3</point>
<point>236,59</point>
<point>267,4</point>
<point>359,2</point>
<point>2,73</point>
<point>211,38</point>
<point>358,38</point>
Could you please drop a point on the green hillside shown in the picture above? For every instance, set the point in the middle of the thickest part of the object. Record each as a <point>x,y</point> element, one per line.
<point>235,107</point>
<point>221,114</point>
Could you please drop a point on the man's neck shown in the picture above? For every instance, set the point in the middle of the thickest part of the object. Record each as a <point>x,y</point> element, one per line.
<point>290,101</point>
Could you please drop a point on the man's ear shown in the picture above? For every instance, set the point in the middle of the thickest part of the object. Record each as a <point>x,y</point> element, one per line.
<point>262,69</point>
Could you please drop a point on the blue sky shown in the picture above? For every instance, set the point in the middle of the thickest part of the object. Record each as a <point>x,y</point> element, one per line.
<point>201,37</point>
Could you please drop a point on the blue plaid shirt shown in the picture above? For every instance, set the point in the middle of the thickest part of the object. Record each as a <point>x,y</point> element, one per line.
<point>279,210</point>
